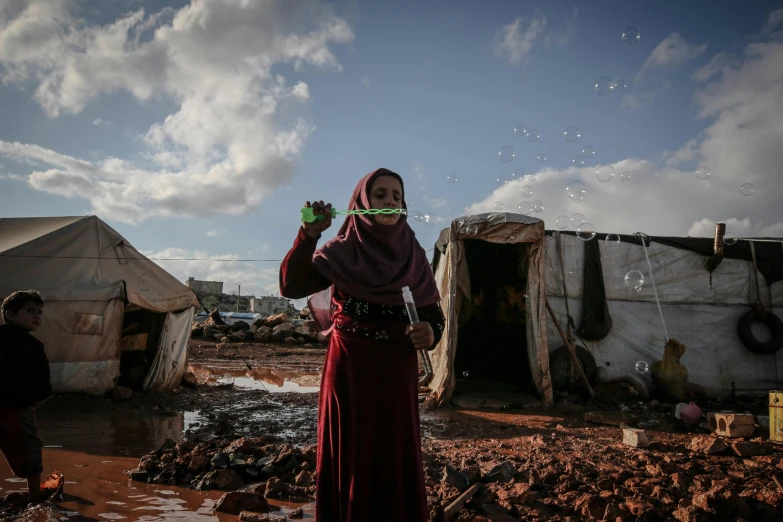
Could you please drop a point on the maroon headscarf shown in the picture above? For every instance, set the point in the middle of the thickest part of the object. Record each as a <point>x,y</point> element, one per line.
<point>373,262</point>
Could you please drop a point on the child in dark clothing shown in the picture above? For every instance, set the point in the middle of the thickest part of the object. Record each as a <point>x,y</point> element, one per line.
<point>24,385</point>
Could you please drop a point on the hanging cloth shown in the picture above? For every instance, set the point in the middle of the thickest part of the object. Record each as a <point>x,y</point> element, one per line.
<point>596,321</point>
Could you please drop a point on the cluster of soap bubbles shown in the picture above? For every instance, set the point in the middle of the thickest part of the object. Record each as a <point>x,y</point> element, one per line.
<point>429,220</point>
<point>703,173</point>
<point>606,85</point>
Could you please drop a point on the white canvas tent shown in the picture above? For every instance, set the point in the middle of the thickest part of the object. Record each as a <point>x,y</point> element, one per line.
<point>701,308</point>
<point>104,301</point>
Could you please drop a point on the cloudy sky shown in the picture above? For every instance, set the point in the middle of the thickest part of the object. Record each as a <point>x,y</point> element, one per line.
<point>198,128</point>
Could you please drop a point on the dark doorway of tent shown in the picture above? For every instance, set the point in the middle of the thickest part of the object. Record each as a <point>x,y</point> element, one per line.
<point>141,330</point>
<point>491,362</point>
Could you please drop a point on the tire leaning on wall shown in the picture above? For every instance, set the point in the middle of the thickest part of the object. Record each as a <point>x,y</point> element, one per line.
<point>769,320</point>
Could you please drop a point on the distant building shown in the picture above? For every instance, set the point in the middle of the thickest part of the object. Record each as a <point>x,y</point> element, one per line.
<point>202,288</point>
<point>268,304</point>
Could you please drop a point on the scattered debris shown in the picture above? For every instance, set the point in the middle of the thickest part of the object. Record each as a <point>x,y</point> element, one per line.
<point>732,425</point>
<point>635,438</point>
<point>708,445</point>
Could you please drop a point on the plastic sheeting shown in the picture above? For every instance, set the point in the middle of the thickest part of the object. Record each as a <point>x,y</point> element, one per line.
<point>701,309</point>
<point>172,357</point>
<point>451,276</point>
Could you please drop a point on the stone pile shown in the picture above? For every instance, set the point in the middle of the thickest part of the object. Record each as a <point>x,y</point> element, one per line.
<point>274,328</point>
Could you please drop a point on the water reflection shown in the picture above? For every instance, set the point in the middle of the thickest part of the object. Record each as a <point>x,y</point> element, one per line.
<point>270,379</point>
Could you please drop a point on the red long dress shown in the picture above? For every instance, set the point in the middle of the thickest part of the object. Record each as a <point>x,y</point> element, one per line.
<point>369,439</point>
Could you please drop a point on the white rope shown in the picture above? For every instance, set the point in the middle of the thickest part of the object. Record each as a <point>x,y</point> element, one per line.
<point>652,280</point>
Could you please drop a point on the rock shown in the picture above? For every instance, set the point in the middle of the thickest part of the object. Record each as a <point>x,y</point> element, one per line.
<point>310,325</point>
<point>722,502</point>
<point>247,516</point>
<point>210,332</point>
<point>275,320</point>
<point>198,463</point>
<point>139,475</point>
<point>519,494</point>
<point>240,326</point>
<point>635,438</point>
<point>289,340</point>
<point>274,488</point>
<point>238,336</point>
<point>590,506</point>
<point>225,479</point>
<point>707,445</point>
<point>454,478</point>
<point>235,502</point>
<point>190,380</point>
<point>281,331</point>
<point>304,479</point>
<point>496,513</point>
<point>503,472</point>
<point>308,345</point>
<point>121,393</point>
<point>219,336</point>
<point>197,330</point>
<point>224,339</point>
<point>296,513</point>
<point>215,319</point>
<point>307,333</point>
<point>747,449</point>
<point>262,336</point>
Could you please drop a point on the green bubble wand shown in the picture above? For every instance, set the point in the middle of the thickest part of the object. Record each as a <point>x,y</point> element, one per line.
<point>308,216</point>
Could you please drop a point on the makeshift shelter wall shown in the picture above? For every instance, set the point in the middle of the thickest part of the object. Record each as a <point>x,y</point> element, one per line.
<point>169,364</point>
<point>451,275</point>
<point>700,308</point>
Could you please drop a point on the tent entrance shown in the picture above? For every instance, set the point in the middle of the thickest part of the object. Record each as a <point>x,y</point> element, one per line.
<point>141,330</point>
<point>491,364</point>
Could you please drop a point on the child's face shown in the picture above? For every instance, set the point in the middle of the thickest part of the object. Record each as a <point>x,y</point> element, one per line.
<point>28,317</point>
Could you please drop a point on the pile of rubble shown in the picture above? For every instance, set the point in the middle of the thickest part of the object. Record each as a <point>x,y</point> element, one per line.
<point>252,469</point>
<point>274,328</point>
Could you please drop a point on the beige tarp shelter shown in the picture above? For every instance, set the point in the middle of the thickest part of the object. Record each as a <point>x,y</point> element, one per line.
<point>111,316</point>
<point>451,274</point>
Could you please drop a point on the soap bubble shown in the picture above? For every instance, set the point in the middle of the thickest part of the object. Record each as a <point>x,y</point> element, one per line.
<point>604,173</point>
<point>530,177</point>
<point>502,180</point>
<point>625,175</point>
<point>451,178</point>
<point>586,232</point>
<point>747,189</point>
<point>703,172</point>
<point>518,174</point>
<point>562,222</point>
<point>418,216</point>
<point>631,35</point>
<point>465,373</point>
<point>619,85</point>
<point>431,221</point>
<point>525,208</point>
<point>588,152</point>
<point>729,238</point>
<point>538,206</point>
<point>642,367</point>
<point>520,130</point>
<point>576,191</point>
<point>634,280</point>
<point>572,134</point>
<point>533,135</point>
<point>613,239</point>
<point>577,220</point>
<point>541,158</point>
<point>498,205</point>
<point>578,161</point>
<point>472,230</point>
<point>527,191</point>
<point>603,85</point>
<point>506,154</point>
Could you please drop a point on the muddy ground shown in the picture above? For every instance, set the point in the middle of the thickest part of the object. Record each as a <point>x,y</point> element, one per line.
<point>533,464</point>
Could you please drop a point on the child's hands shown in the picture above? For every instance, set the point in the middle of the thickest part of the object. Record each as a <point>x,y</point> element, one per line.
<point>421,334</point>
<point>315,228</point>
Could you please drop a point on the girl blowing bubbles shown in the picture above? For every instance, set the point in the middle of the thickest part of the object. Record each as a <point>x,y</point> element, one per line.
<point>369,443</point>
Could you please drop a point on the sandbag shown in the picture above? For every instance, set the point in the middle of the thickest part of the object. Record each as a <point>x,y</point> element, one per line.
<point>668,375</point>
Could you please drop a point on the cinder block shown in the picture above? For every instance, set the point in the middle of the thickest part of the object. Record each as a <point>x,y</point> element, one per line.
<point>732,424</point>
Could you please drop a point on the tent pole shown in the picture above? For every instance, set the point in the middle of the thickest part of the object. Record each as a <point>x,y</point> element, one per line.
<point>571,350</point>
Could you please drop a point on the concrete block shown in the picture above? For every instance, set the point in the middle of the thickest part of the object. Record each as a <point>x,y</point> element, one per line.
<point>732,424</point>
<point>635,438</point>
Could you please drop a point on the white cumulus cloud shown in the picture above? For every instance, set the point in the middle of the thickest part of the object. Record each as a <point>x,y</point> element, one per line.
<point>238,130</point>
<point>514,42</point>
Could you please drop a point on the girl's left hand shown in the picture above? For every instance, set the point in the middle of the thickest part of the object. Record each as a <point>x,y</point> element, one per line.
<point>421,334</point>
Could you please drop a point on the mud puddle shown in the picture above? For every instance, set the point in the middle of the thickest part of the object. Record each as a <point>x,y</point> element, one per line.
<point>96,489</point>
<point>273,380</point>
